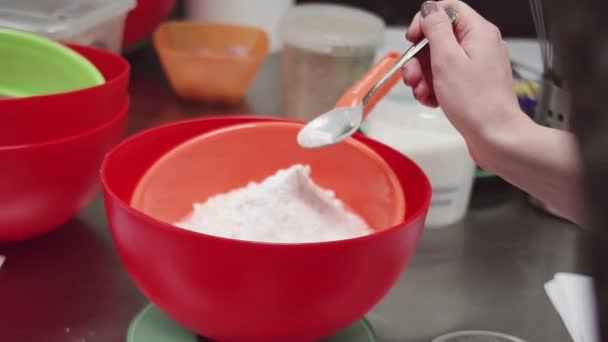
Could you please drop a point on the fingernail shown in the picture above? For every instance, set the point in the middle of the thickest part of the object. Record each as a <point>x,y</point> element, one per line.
<point>428,7</point>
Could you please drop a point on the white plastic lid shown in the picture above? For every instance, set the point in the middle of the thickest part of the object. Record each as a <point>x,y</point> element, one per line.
<point>59,18</point>
<point>326,28</point>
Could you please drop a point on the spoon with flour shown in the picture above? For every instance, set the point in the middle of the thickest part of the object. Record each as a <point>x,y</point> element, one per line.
<point>352,108</point>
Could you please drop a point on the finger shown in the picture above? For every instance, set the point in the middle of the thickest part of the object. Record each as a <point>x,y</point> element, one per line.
<point>427,73</point>
<point>467,19</point>
<point>439,30</point>
<point>414,32</point>
<point>423,91</point>
<point>414,94</point>
<point>431,102</point>
<point>427,76</point>
<point>412,72</point>
<point>422,61</point>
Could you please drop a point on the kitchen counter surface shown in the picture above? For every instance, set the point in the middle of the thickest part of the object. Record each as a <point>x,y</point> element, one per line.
<point>486,272</point>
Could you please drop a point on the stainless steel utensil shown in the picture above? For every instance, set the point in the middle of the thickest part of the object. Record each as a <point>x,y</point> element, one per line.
<point>540,25</point>
<point>553,109</point>
<point>341,122</point>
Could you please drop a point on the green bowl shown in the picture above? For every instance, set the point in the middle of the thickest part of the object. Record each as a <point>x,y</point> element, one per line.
<point>31,65</point>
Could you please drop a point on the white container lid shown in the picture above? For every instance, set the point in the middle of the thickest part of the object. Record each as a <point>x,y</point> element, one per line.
<point>326,28</point>
<point>59,18</point>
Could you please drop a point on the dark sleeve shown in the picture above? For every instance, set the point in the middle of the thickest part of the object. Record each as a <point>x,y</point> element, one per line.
<point>580,33</point>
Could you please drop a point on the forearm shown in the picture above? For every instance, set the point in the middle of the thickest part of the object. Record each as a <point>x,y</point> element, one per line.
<point>542,161</point>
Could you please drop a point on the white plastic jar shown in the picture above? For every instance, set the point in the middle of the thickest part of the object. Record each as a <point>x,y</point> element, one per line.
<point>264,14</point>
<point>326,48</point>
<point>427,137</point>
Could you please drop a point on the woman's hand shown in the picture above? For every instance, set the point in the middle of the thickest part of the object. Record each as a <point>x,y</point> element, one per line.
<point>466,70</point>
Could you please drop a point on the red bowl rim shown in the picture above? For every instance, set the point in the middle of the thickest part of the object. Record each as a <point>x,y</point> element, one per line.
<point>358,145</point>
<point>125,66</point>
<point>257,118</point>
<point>122,112</point>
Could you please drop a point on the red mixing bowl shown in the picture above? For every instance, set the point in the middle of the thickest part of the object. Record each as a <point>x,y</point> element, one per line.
<point>43,118</point>
<point>232,290</point>
<point>43,185</point>
<point>271,146</point>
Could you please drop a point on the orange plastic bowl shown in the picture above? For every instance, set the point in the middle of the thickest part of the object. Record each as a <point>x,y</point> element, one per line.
<point>211,62</point>
<point>45,184</point>
<point>231,290</point>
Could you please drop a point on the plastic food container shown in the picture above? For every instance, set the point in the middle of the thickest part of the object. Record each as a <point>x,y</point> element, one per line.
<point>264,14</point>
<point>97,23</point>
<point>426,136</point>
<point>326,48</point>
<point>477,336</point>
<point>211,62</point>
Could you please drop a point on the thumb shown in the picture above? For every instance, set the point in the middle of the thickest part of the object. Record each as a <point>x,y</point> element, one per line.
<point>439,30</point>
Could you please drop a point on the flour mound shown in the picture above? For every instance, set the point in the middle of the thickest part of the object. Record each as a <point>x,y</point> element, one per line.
<point>287,207</point>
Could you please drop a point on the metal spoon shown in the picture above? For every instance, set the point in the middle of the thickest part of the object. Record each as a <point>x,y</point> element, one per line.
<point>344,120</point>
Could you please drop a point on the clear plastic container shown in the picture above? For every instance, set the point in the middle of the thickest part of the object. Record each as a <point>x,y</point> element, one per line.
<point>477,336</point>
<point>326,48</point>
<point>97,23</point>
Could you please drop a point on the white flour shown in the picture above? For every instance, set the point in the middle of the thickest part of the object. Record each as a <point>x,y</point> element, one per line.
<point>286,207</point>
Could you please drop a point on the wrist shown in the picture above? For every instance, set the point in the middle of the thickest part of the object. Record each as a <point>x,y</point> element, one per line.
<point>492,145</point>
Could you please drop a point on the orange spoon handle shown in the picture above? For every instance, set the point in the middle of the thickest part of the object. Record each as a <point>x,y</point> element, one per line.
<point>357,92</point>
